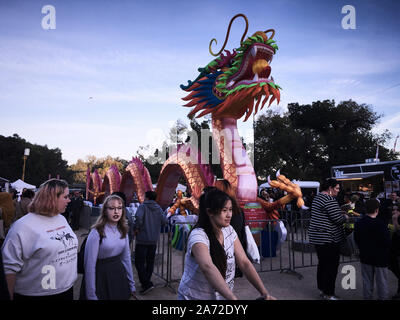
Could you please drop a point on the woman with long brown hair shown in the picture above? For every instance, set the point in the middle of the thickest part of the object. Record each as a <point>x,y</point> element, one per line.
<point>108,268</point>
<point>238,219</point>
<point>213,249</point>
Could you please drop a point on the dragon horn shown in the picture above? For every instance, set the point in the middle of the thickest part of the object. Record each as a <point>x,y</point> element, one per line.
<point>278,173</point>
<point>227,34</point>
<point>270,30</point>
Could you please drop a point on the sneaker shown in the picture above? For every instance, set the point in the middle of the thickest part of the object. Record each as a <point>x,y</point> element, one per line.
<point>331,298</point>
<point>146,290</point>
<point>396,296</point>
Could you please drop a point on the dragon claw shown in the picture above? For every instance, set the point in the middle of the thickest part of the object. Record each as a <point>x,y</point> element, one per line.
<point>293,190</point>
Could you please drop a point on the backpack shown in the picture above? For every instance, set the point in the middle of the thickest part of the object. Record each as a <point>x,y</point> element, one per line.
<point>81,257</point>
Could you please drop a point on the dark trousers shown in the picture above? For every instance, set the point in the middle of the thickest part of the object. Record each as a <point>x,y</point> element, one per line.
<point>144,263</point>
<point>328,263</point>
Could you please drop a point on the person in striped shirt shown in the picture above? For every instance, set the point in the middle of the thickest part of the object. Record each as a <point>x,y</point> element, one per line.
<point>326,232</point>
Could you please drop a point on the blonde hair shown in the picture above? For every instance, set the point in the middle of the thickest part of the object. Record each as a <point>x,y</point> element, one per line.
<point>46,198</point>
<point>122,224</point>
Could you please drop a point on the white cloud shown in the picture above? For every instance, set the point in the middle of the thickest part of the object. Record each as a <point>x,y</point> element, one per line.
<point>345,82</point>
<point>343,65</point>
<point>391,122</point>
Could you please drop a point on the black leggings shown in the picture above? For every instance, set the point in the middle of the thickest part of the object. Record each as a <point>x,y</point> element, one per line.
<point>328,264</point>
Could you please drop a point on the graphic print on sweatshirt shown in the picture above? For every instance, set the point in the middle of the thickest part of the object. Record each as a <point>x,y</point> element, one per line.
<point>68,252</point>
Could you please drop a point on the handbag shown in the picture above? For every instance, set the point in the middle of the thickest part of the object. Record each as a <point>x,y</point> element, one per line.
<point>252,249</point>
<point>282,233</point>
<point>348,246</point>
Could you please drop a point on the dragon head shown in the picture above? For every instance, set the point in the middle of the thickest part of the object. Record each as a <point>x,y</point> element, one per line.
<point>235,82</point>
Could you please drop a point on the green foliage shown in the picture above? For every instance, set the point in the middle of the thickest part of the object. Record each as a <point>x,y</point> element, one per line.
<point>40,163</point>
<point>308,140</point>
<point>101,164</point>
<point>178,134</point>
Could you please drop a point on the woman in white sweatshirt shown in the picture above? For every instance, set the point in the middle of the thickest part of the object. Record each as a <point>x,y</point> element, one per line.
<point>40,250</point>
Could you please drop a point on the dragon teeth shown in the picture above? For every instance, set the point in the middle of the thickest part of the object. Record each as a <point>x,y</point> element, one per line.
<point>253,51</point>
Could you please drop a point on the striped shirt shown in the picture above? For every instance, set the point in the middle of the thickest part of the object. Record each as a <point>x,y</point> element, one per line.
<point>194,285</point>
<point>326,225</point>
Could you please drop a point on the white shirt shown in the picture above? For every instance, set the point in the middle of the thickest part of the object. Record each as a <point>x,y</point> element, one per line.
<point>42,252</point>
<point>194,285</point>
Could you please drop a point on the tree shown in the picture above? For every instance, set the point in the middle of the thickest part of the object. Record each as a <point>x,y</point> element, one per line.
<point>308,140</point>
<point>180,133</point>
<point>101,164</point>
<point>41,163</point>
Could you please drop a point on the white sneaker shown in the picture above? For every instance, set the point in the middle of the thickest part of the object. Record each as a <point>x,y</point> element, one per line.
<point>331,298</point>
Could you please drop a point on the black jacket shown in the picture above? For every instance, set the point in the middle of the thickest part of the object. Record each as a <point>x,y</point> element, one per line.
<point>373,239</point>
<point>4,295</point>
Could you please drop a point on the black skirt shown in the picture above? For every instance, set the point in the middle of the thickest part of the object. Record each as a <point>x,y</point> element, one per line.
<point>111,280</point>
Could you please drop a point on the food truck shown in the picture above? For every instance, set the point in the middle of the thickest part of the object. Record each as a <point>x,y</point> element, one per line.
<point>373,175</point>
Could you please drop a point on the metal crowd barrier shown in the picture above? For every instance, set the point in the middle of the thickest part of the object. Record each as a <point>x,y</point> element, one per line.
<point>169,262</point>
<point>302,252</point>
<point>287,257</point>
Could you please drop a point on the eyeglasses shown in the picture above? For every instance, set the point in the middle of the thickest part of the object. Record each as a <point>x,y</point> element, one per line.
<point>114,208</point>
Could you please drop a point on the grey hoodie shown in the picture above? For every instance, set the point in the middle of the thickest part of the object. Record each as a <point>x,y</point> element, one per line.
<point>149,218</point>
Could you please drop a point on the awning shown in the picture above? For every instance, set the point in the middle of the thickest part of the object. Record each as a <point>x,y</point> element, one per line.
<point>19,185</point>
<point>357,176</point>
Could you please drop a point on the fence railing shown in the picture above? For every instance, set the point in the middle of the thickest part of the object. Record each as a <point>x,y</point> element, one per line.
<point>288,256</point>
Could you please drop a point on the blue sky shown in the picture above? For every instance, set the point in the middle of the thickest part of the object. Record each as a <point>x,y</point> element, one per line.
<point>131,57</point>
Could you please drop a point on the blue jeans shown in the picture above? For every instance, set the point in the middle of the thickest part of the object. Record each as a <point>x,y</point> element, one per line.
<point>144,263</point>
<point>379,274</point>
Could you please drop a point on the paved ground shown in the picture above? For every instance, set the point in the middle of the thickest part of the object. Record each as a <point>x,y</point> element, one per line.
<point>282,285</point>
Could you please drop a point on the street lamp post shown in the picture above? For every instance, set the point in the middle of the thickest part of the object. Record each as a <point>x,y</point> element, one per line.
<point>26,154</point>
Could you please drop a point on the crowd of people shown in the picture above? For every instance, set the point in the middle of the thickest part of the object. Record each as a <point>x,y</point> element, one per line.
<point>41,248</point>
<point>376,234</point>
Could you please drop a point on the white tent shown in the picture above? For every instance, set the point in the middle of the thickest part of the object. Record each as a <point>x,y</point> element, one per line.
<point>19,185</point>
<point>181,187</point>
<point>301,184</point>
<point>178,187</point>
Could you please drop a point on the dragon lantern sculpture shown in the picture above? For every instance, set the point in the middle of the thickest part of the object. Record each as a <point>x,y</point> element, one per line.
<point>230,87</point>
